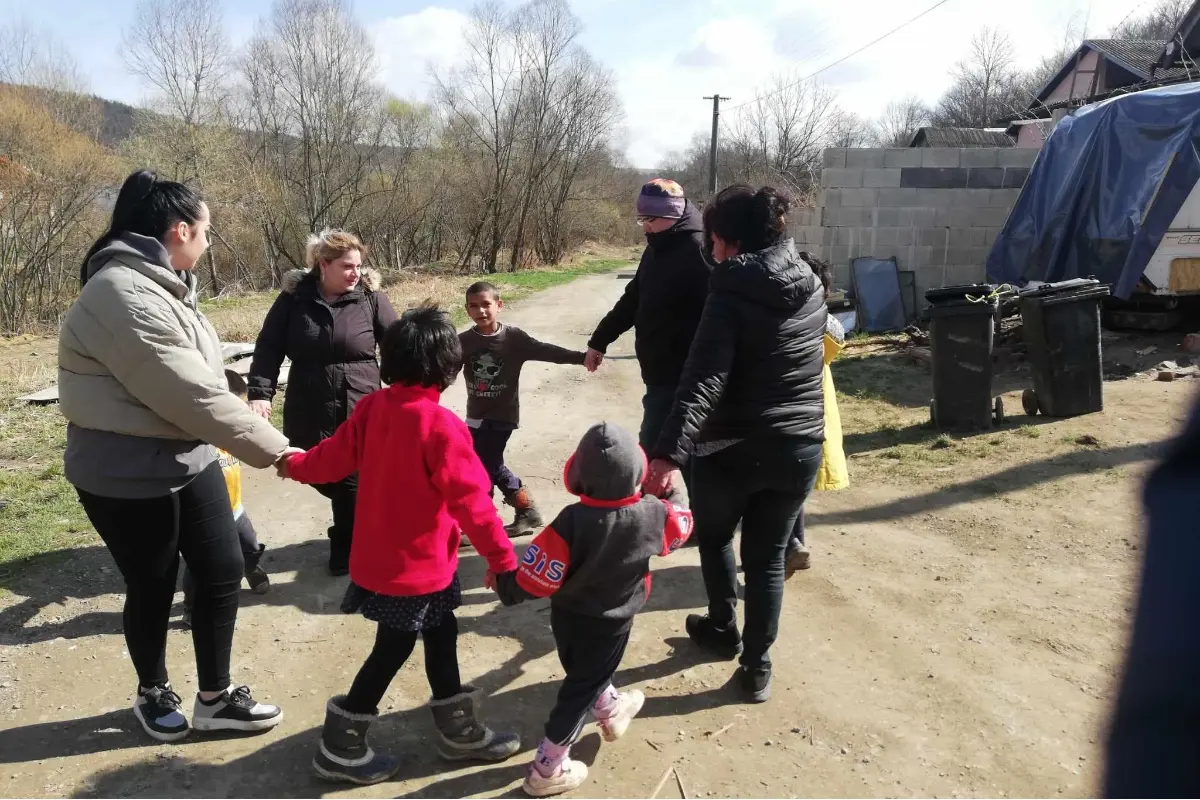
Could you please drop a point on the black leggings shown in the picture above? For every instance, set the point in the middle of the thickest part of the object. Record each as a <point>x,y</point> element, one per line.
<point>392,649</point>
<point>146,538</point>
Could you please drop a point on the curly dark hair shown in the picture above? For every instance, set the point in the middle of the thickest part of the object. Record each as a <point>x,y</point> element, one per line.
<point>421,349</point>
<point>753,220</point>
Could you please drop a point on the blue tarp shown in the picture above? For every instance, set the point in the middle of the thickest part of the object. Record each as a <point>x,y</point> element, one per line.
<point>1104,189</point>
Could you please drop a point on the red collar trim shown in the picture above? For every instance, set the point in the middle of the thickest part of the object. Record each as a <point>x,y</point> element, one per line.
<point>622,503</point>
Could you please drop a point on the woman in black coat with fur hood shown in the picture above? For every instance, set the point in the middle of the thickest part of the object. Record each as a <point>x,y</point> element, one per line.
<point>328,321</point>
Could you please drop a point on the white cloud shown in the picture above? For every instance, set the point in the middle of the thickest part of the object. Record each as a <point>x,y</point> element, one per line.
<point>408,46</point>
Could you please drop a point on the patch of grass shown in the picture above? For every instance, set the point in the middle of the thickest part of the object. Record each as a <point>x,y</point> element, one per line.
<point>40,512</point>
<point>1029,432</point>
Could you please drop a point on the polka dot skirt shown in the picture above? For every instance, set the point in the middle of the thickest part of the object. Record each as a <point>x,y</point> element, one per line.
<point>412,613</point>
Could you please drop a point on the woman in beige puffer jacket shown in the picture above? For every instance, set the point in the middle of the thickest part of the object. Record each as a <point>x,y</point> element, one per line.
<point>142,385</point>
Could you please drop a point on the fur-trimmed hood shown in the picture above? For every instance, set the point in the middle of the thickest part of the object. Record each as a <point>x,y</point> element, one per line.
<point>369,279</point>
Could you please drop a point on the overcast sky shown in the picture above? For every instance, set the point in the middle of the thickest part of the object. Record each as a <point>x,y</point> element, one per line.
<point>665,56</point>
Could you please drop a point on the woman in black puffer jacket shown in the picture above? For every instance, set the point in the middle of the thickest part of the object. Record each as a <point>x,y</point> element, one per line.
<point>328,320</point>
<point>748,421</point>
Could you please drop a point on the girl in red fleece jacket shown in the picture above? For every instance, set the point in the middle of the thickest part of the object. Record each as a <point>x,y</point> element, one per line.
<point>420,486</point>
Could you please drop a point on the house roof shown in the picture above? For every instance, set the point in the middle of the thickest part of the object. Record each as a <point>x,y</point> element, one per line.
<point>1185,43</point>
<point>1138,57</point>
<point>961,137</point>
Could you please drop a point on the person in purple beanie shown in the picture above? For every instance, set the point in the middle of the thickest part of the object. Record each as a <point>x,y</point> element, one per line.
<point>663,302</point>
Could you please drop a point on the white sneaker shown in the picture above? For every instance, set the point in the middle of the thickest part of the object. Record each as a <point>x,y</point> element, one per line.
<point>569,776</point>
<point>628,705</point>
<point>235,710</point>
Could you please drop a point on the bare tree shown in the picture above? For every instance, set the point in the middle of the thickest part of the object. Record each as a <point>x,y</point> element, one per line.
<point>987,85</point>
<point>587,112</point>
<point>179,47</point>
<point>900,122</point>
<point>483,98</point>
<point>51,177</point>
<point>317,118</point>
<point>847,129</point>
<point>33,57</point>
<point>1158,24</point>
<point>545,33</point>
<point>779,137</point>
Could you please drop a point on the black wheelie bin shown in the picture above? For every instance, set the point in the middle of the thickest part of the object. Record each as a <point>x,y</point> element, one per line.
<point>1061,326</point>
<point>962,325</point>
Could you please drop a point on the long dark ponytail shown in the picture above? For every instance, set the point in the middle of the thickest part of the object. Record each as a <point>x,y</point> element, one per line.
<point>147,206</point>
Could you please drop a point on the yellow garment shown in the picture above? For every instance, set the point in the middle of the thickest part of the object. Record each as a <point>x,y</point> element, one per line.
<point>833,473</point>
<point>233,480</point>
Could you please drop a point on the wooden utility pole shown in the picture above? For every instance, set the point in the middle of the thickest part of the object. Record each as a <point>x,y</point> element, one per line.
<point>712,152</point>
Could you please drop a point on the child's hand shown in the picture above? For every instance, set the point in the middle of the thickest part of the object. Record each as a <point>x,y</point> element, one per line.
<point>489,580</point>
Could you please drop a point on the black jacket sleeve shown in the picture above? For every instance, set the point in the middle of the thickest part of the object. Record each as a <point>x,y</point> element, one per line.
<point>1155,734</point>
<point>705,375</point>
<point>269,350</point>
<point>385,315</point>
<point>622,316</point>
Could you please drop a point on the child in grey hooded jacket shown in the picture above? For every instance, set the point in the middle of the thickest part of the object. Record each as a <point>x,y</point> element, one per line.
<point>593,562</point>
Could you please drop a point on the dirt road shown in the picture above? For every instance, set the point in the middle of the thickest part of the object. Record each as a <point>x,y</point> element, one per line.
<point>954,640</point>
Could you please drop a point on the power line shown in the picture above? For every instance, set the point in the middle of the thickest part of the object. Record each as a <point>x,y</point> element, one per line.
<point>845,58</point>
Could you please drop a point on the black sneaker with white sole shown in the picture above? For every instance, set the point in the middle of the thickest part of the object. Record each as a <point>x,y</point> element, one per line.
<point>157,708</point>
<point>235,710</point>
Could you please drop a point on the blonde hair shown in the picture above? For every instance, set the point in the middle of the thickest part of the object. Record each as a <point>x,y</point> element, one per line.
<point>330,245</point>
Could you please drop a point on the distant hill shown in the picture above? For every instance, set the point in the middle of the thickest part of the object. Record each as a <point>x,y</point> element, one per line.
<point>116,119</point>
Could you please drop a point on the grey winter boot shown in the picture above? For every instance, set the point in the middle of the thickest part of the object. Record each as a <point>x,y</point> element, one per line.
<point>462,737</point>
<point>344,754</point>
<point>528,519</point>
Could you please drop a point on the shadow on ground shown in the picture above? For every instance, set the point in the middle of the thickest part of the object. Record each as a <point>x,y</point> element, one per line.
<point>282,768</point>
<point>1013,479</point>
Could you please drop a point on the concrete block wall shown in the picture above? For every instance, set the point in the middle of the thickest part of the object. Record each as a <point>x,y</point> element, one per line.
<point>936,210</point>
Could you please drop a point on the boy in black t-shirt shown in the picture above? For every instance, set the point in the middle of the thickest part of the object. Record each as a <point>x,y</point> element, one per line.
<point>493,354</point>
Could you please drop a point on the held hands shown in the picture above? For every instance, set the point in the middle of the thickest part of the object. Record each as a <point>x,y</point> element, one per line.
<point>261,407</point>
<point>281,463</point>
<point>662,477</point>
<point>489,580</point>
<point>593,360</point>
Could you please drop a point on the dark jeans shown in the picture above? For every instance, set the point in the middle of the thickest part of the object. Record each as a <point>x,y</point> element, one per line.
<point>146,538</point>
<point>798,539</point>
<point>762,483</point>
<point>490,442</point>
<point>392,648</point>
<point>343,496</point>
<point>590,650</point>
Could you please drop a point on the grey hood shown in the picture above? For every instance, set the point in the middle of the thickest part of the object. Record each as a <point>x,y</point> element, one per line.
<point>147,256</point>
<point>607,465</point>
